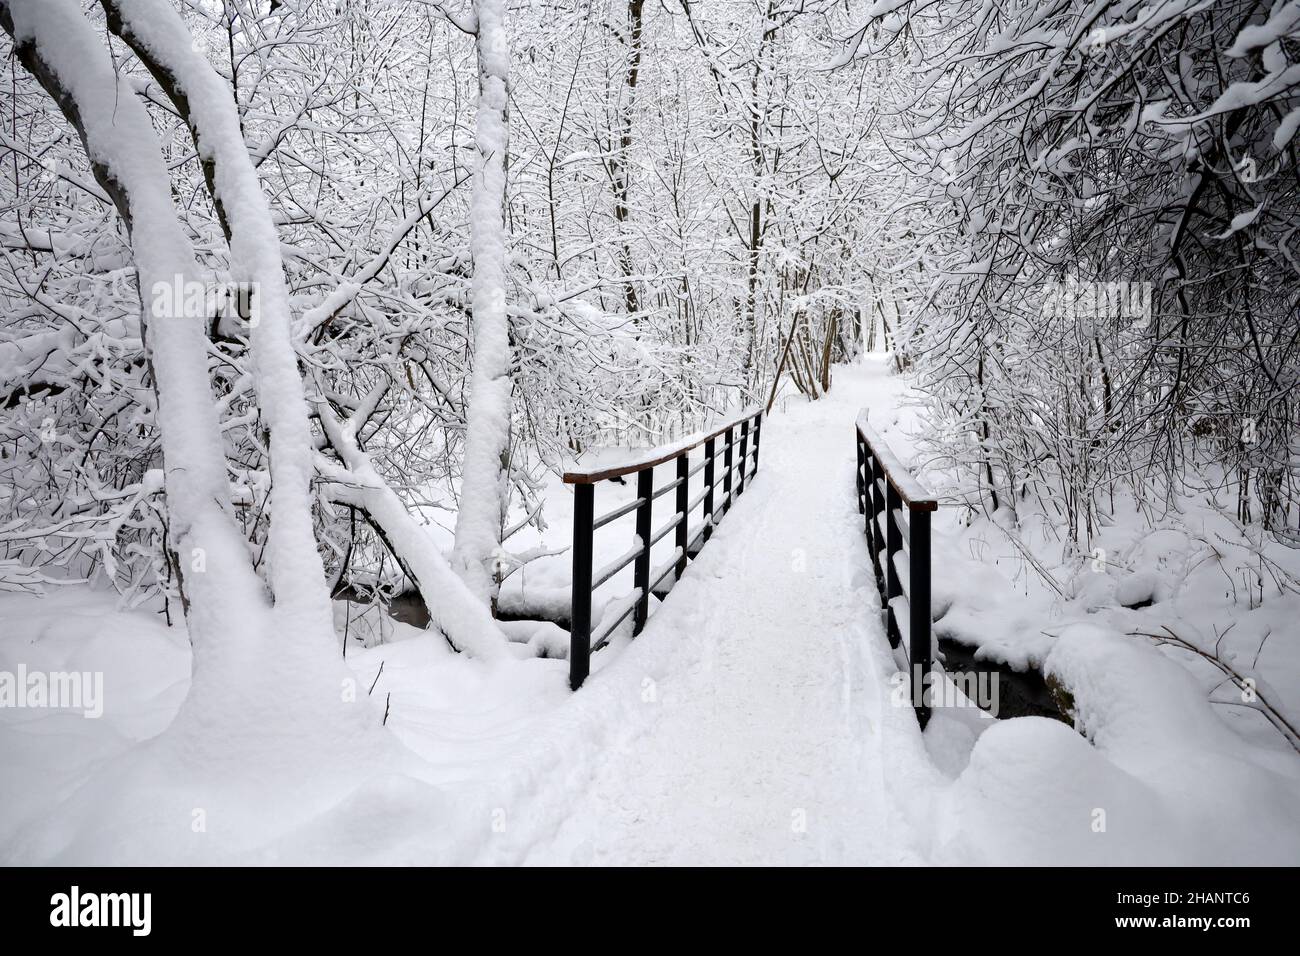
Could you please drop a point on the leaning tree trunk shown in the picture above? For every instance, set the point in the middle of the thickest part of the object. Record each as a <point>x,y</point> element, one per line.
<point>157,35</point>
<point>464,620</point>
<point>219,588</point>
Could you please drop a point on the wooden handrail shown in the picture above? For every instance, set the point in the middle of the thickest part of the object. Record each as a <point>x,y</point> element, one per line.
<point>909,489</point>
<point>897,520</point>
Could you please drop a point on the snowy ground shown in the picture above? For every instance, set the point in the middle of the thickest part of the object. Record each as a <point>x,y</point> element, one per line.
<point>751,722</point>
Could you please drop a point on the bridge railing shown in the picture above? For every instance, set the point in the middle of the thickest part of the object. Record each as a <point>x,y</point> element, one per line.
<point>897,516</point>
<point>732,442</point>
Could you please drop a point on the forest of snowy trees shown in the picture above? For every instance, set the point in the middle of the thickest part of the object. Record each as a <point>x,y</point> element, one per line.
<point>499,244</point>
<point>680,196</point>
<point>305,304</point>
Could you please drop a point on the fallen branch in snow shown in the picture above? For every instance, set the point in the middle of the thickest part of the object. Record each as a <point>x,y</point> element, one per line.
<point>1282,579</point>
<point>1033,562</point>
<point>1261,704</point>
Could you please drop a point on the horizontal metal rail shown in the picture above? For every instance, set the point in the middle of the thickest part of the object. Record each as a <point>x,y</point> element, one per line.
<point>615,566</point>
<point>663,532</point>
<point>605,632</point>
<point>897,521</point>
<point>617,513</point>
<point>666,488</point>
<point>736,442</point>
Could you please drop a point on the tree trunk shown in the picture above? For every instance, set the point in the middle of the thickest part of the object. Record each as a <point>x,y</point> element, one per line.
<point>621,161</point>
<point>481,515</point>
<point>154,30</point>
<point>55,42</point>
<point>463,619</point>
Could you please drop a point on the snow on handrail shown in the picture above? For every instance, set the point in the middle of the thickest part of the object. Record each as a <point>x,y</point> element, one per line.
<point>648,458</point>
<point>909,489</point>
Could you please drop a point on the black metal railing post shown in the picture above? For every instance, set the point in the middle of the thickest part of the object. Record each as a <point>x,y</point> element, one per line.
<point>918,574</point>
<point>683,506</point>
<point>744,455</point>
<point>708,489</point>
<point>860,476</point>
<point>893,544</point>
<point>726,474</point>
<point>580,604</point>
<point>645,483</point>
<point>874,510</point>
<point>758,428</point>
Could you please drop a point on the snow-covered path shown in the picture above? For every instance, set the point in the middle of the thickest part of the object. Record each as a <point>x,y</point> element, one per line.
<point>763,737</point>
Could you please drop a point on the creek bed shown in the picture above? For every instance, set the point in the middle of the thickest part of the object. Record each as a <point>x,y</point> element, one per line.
<point>1020,693</point>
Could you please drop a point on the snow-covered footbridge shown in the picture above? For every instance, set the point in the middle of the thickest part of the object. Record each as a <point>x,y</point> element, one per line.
<point>760,688</point>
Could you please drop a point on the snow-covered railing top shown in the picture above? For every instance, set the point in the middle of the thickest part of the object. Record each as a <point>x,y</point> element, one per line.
<point>739,434</point>
<point>648,458</point>
<point>899,477</point>
<point>897,517</point>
